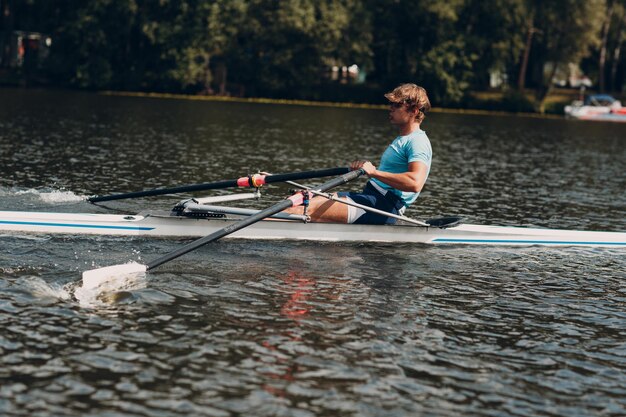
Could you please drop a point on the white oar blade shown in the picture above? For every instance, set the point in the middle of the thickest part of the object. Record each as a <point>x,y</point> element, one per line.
<point>96,277</point>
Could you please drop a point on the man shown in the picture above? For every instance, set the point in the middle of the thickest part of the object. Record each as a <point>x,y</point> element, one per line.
<point>403,170</point>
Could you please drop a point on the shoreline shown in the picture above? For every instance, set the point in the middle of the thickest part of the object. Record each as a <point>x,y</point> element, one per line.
<point>476,112</point>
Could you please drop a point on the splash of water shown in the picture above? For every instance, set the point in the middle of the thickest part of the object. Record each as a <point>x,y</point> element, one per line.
<point>54,196</point>
<point>38,288</point>
<point>46,195</point>
<point>109,291</point>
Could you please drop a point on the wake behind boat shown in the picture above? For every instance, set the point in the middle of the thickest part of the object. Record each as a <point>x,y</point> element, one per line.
<point>160,224</point>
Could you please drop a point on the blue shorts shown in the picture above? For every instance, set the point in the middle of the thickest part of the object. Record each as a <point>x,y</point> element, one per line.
<point>371,197</point>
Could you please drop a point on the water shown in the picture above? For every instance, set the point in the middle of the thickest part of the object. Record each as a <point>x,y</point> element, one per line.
<point>304,329</point>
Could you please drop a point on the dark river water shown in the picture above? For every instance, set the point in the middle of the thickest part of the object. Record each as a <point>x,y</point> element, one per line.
<point>242,328</point>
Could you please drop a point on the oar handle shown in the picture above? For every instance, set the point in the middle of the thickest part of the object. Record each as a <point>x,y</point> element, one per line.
<point>248,181</point>
<point>276,208</point>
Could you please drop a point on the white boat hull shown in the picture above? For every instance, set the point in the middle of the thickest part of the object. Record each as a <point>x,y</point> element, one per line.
<point>601,117</point>
<point>613,112</point>
<point>163,225</point>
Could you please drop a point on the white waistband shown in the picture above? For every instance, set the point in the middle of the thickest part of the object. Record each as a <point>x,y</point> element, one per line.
<point>378,188</point>
<point>384,192</point>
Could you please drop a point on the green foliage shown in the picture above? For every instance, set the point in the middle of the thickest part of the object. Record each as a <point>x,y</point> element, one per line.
<point>286,48</point>
<point>557,107</point>
<point>563,38</point>
<point>494,32</point>
<point>447,70</point>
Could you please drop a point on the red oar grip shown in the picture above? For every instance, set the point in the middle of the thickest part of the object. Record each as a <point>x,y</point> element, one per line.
<point>258,180</point>
<point>255,180</point>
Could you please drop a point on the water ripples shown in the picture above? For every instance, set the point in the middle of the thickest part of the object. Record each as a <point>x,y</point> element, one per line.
<point>306,329</point>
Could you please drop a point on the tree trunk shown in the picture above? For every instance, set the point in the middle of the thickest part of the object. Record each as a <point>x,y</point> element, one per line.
<point>389,68</point>
<point>7,20</point>
<point>221,72</point>
<point>546,89</point>
<point>605,35</point>
<point>521,81</point>
<point>616,55</point>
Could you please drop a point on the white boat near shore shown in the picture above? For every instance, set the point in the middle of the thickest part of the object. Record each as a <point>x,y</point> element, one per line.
<point>163,224</point>
<point>599,107</point>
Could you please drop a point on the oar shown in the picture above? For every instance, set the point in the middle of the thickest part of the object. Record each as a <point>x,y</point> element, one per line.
<point>95,277</point>
<point>249,181</point>
<point>331,197</point>
<point>440,222</point>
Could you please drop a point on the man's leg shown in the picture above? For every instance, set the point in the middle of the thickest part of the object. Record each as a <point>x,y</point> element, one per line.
<point>323,210</point>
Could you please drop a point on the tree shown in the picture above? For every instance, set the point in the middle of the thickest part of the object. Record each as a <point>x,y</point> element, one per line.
<point>618,37</point>
<point>187,35</point>
<point>286,47</point>
<point>606,24</point>
<point>493,32</point>
<point>6,24</point>
<point>565,37</point>
<point>420,41</point>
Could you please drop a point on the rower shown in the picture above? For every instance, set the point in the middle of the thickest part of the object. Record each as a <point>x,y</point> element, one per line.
<point>403,170</point>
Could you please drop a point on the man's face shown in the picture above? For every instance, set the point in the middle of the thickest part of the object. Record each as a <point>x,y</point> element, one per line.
<point>399,114</point>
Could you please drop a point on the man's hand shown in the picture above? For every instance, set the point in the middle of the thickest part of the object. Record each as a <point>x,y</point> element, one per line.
<point>367,166</point>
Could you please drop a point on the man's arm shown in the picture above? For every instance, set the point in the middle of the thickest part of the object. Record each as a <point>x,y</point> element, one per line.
<point>411,181</point>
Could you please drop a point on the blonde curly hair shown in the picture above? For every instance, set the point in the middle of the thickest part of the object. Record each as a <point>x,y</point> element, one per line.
<point>414,96</point>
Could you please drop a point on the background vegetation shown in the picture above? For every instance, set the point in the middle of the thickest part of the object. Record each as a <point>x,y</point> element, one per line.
<point>288,48</point>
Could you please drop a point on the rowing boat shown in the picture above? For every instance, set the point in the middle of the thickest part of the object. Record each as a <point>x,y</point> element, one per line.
<point>164,224</point>
<point>197,218</point>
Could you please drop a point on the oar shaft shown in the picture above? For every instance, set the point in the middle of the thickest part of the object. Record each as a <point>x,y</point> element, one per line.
<point>283,205</point>
<point>251,181</point>
<point>294,200</point>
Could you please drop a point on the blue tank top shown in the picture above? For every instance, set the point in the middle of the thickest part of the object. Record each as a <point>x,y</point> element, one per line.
<point>414,147</point>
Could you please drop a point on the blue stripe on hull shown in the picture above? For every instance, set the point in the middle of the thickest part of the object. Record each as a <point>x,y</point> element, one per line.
<point>75,225</point>
<point>527,242</point>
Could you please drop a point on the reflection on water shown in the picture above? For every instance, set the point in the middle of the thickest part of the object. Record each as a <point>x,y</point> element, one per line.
<point>303,329</point>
